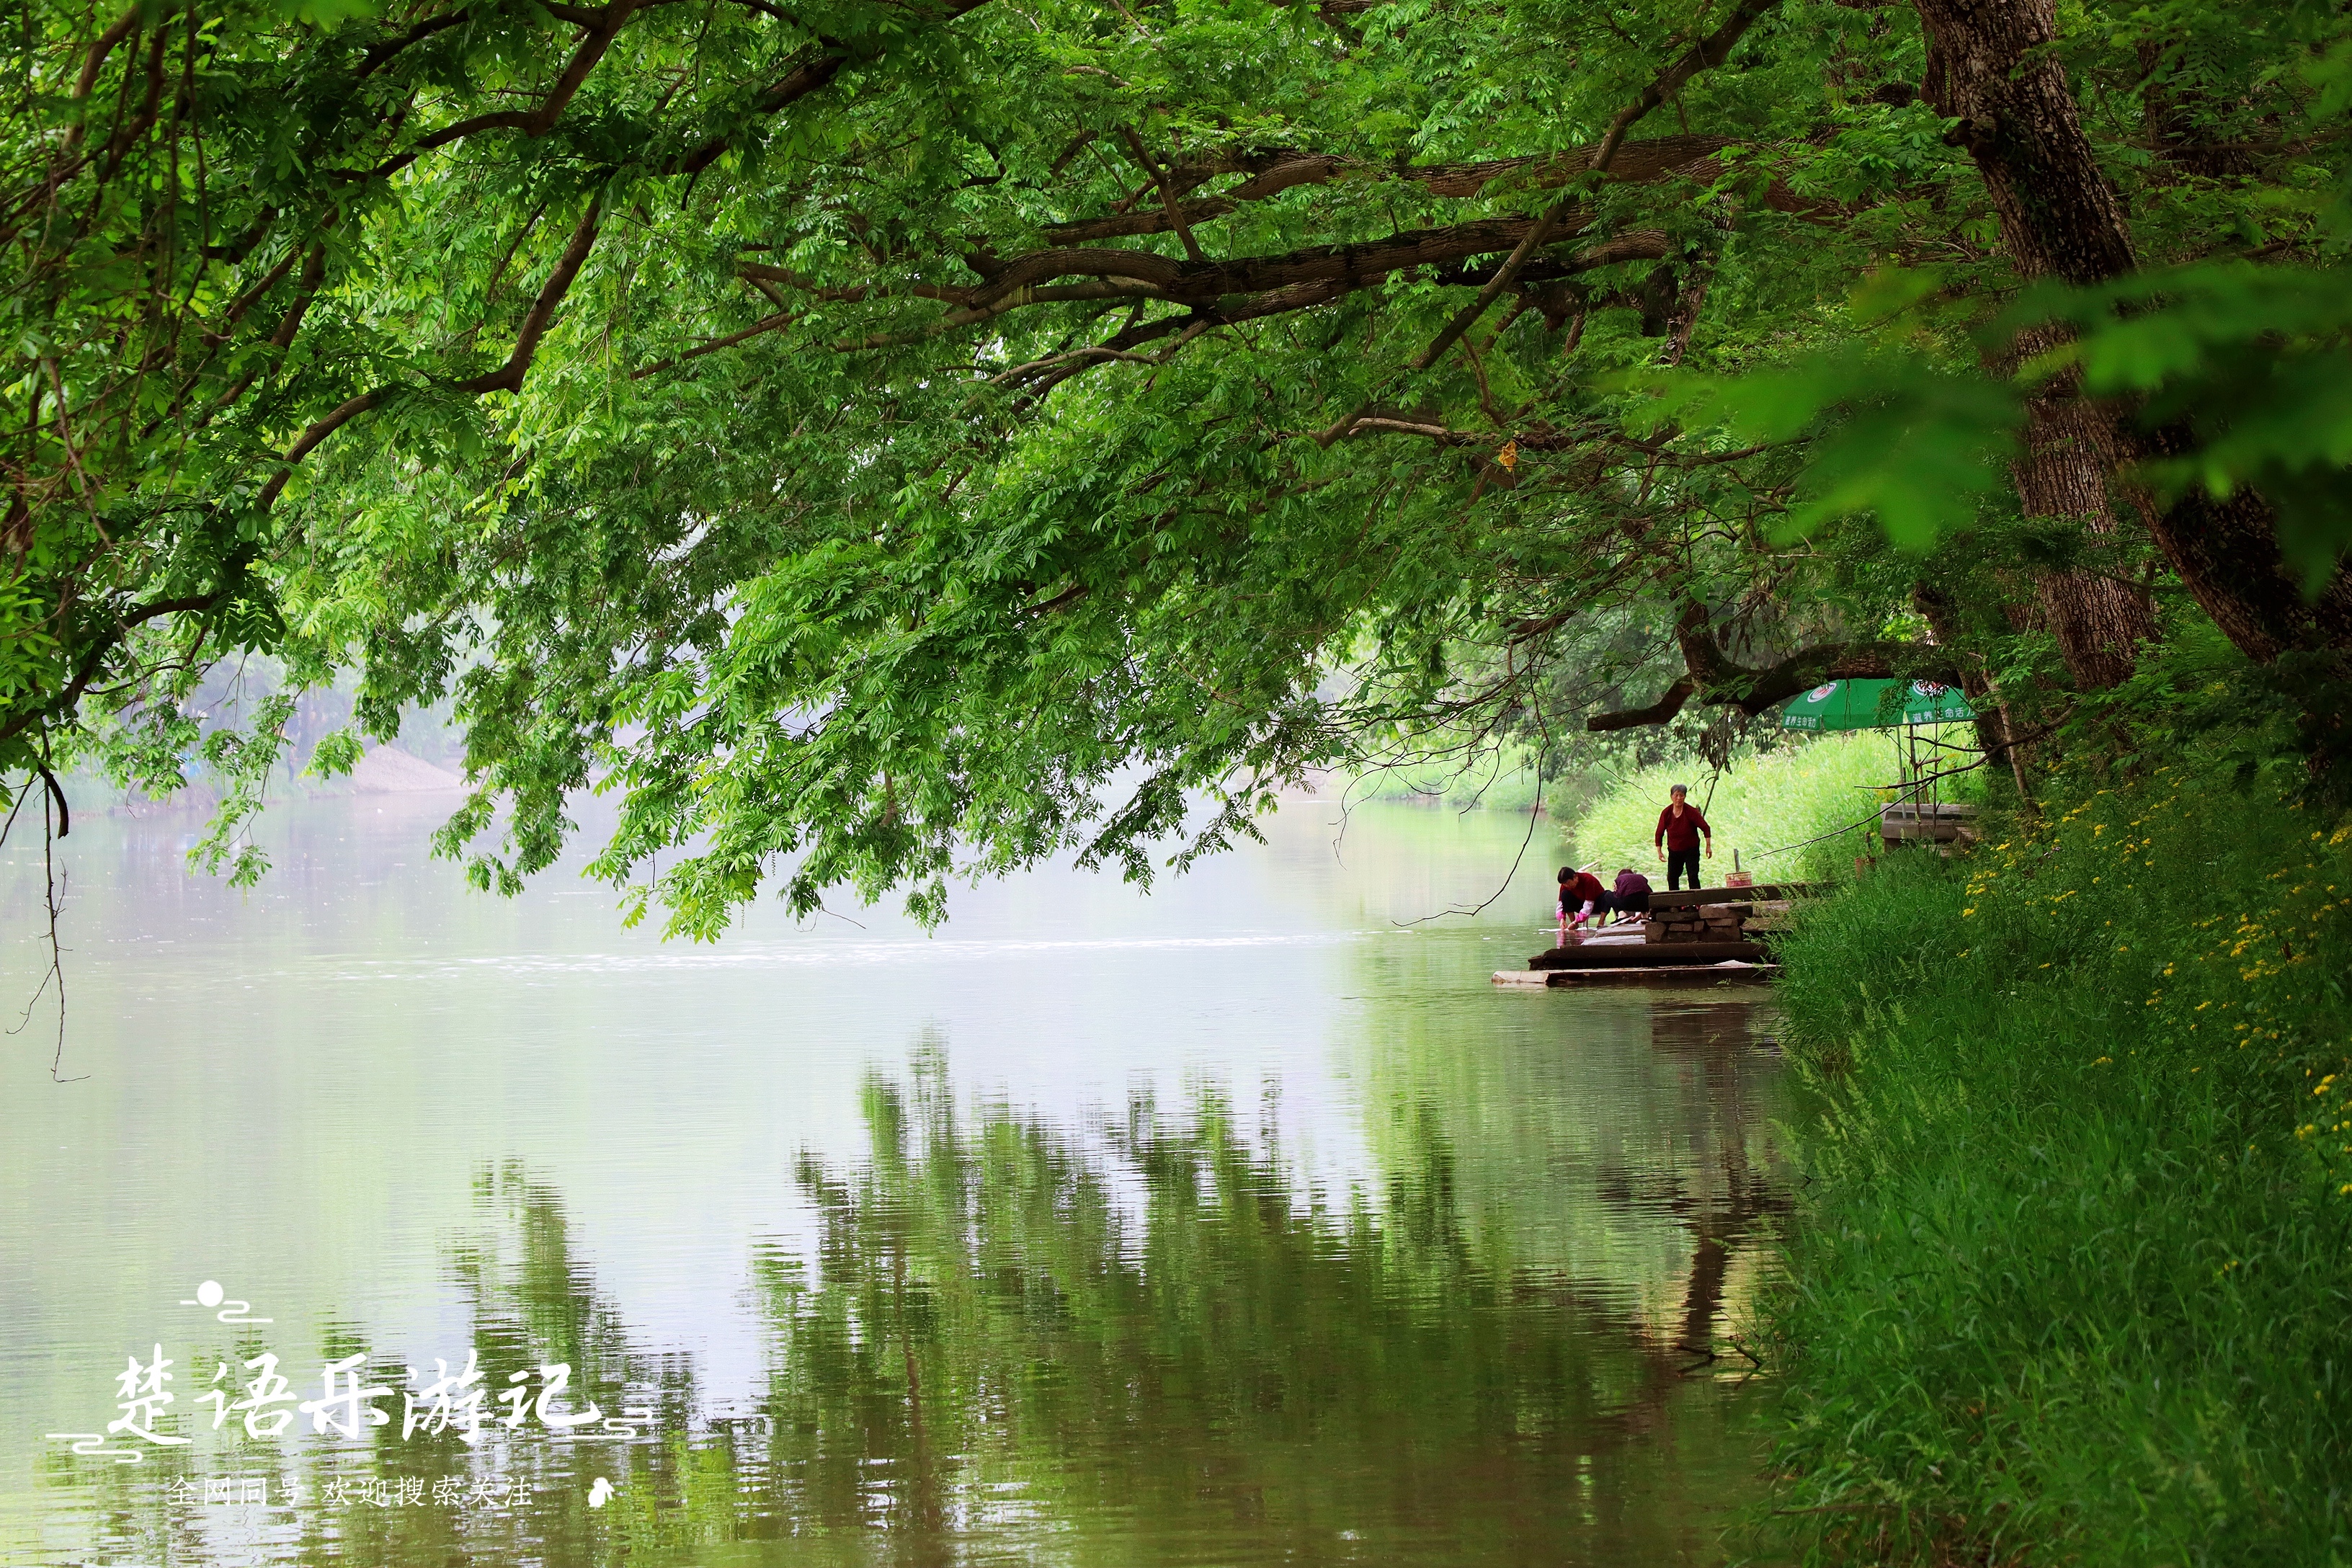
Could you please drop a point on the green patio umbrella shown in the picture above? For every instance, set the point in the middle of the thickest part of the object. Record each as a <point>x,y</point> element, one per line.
<point>1875,705</point>
<point>1932,702</point>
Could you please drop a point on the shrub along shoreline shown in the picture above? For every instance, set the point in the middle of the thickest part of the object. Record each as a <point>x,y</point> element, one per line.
<point>2070,1276</point>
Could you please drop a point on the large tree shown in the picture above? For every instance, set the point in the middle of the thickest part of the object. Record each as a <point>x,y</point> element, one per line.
<point>877,440</point>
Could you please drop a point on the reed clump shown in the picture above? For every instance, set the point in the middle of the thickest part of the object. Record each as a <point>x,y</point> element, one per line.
<point>2070,1278</point>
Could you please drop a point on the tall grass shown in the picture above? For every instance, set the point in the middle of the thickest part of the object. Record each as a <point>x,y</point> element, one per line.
<point>2071,1278</point>
<point>1762,807</point>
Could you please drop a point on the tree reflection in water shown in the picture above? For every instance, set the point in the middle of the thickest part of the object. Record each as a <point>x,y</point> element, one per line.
<point>1153,1345</point>
<point>1148,1342</point>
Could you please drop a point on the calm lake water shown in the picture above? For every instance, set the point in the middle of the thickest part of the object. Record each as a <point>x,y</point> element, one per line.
<point>1234,1224</point>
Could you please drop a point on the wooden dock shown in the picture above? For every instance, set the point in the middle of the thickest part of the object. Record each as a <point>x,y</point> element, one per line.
<point>1730,973</point>
<point>1674,943</point>
<point>1639,954</point>
<point>1761,893</point>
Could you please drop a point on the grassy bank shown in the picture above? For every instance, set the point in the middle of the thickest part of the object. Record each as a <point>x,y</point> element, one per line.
<point>1767,808</point>
<point>2070,1277</point>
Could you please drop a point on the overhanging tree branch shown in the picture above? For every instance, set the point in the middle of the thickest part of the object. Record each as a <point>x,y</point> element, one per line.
<point>509,376</point>
<point>1711,50</point>
<point>1717,681</point>
<point>1691,157</point>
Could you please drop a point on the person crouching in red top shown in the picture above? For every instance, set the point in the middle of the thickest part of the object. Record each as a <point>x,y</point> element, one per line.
<point>1581,895</point>
<point>1680,826</point>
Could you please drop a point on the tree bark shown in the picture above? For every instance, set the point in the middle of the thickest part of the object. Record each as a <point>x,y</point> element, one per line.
<point>1999,76</point>
<point>2099,621</point>
<point>1996,731</point>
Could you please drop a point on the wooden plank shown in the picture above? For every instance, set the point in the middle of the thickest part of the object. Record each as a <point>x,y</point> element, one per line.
<point>1675,975</point>
<point>1643,955</point>
<point>1704,923</point>
<point>1761,891</point>
<point>1944,824</point>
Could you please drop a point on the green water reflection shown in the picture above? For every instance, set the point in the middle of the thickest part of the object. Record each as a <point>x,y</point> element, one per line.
<point>1144,1341</point>
<point>1239,1230</point>
<point>1170,1352</point>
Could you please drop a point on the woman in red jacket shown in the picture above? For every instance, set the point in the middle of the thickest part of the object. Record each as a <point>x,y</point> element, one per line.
<point>1680,826</point>
<point>1580,896</point>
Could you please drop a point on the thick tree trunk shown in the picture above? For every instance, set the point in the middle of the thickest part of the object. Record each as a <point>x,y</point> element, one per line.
<point>1997,74</point>
<point>2227,553</point>
<point>1994,70</point>
<point>1996,731</point>
<point>2099,621</point>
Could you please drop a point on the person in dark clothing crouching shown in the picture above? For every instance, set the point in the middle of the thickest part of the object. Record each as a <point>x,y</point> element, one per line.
<point>1680,828</point>
<point>1633,892</point>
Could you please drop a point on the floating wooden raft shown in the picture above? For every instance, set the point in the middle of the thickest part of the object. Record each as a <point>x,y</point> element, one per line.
<point>1657,975</point>
<point>1682,929</point>
<point>1664,975</point>
<point>1643,954</point>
